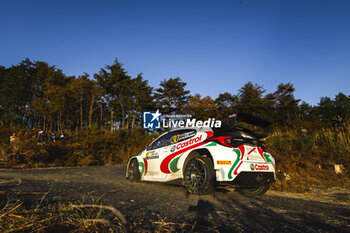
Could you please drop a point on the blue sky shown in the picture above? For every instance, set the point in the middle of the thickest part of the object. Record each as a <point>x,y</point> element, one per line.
<point>214,46</point>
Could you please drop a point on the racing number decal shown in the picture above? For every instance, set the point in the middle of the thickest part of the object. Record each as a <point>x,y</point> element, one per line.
<point>175,138</point>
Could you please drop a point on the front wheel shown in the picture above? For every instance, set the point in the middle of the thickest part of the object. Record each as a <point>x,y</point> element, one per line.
<point>254,191</point>
<point>199,175</point>
<point>134,173</point>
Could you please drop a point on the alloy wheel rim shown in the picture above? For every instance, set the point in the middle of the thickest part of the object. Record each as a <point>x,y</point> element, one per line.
<point>196,175</point>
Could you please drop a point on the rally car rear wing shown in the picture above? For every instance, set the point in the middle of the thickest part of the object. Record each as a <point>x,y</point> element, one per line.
<point>253,121</point>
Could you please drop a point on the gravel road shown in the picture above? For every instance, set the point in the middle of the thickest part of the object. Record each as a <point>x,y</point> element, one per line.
<point>145,205</point>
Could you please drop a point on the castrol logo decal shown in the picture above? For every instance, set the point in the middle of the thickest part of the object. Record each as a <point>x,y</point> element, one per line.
<point>259,167</point>
<point>189,142</point>
<point>181,148</point>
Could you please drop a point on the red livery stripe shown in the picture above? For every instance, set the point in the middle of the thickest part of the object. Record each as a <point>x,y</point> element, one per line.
<point>164,166</point>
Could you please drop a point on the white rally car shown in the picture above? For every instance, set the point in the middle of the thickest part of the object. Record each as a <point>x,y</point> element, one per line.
<point>204,157</point>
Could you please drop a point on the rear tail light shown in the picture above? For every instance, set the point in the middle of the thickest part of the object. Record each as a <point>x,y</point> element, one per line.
<point>223,140</point>
<point>230,141</point>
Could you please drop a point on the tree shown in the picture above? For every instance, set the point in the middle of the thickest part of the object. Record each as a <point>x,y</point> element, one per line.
<point>226,103</point>
<point>306,112</point>
<point>50,99</point>
<point>201,108</point>
<point>2,79</point>
<point>250,99</point>
<point>86,93</point>
<point>142,99</point>
<point>329,109</point>
<point>286,105</point>
<point>94,95</point>
<point>171,96</point>
<point>325,109</point>
<point>16,93</point>
<point>117,87</point>
<point>342,106</point>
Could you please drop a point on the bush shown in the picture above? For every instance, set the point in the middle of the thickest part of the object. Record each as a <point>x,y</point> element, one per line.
<point>94,147</point>
<point>308,157</point>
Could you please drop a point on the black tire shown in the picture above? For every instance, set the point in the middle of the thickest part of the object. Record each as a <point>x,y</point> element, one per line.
<point>199,175</point>
<point>254,191</point>
<point>134,173</point>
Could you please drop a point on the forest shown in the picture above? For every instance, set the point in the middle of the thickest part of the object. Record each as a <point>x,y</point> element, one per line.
<point>34,94</point>
<point>101,117</point>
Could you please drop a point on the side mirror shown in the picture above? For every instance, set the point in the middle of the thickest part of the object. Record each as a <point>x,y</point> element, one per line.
<point>148,147</point>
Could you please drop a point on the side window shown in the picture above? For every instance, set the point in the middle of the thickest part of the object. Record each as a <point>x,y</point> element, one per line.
<point>173,137</point>
<point>162,141</point>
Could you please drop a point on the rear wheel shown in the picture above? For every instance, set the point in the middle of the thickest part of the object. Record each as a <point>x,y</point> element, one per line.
<point>254,191</point>
<point>199,175</point>
<point>134,173</point>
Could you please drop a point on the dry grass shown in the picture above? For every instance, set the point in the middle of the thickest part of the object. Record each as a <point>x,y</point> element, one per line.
<point>307,158</point>
<point>80,217</point>
<point>60,218</point>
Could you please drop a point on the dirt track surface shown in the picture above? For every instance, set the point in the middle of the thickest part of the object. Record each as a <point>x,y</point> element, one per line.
<point>151,205</point>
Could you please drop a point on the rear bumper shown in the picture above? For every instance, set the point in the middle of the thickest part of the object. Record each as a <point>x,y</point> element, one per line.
<point>251,179</point>
<point>231,173</point>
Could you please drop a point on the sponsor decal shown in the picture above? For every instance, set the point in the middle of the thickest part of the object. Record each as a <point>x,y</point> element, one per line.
<point>150,155</point>
<point>180,137</point>
<point>223,162</point>
<point>259,167</point>
<point>189,142</point>
<point>187,135</point>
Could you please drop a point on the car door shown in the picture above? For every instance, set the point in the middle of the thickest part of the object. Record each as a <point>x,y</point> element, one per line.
<point>157,151</point>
